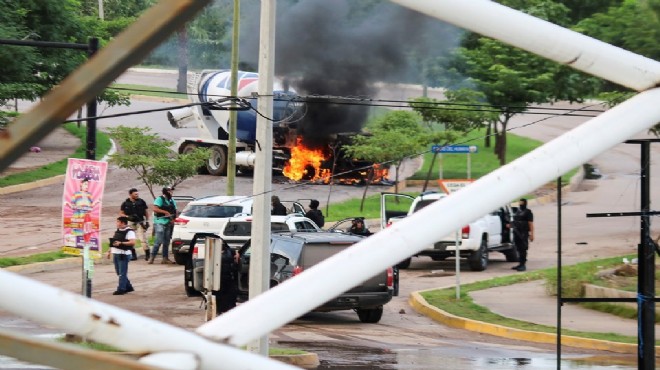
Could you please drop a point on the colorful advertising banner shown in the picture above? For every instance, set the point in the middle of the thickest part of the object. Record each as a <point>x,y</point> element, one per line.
<point>81,206</point>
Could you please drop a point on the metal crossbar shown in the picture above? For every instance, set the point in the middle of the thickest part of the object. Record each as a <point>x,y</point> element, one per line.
<point>297,296</point>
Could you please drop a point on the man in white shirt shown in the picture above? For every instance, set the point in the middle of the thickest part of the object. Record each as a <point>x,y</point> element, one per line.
<point>120,248</point>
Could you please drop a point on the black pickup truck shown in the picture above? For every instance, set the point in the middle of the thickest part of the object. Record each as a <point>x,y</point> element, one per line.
<point>292,253</point>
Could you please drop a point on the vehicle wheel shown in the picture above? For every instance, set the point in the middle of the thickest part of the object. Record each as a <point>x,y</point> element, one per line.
<point>187,148</point>
<point>246,171</point>
<point>479,258</point>
<point>180,258</point>
<point>370,315</point>
<point>188,283</point>
<point>217,163</point>
<point>404,264</point>
<point>511,254</point>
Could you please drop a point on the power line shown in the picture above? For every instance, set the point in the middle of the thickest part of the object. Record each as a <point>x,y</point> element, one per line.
<point>368,101</point>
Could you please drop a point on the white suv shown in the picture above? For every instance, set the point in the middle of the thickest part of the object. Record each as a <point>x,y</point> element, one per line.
<point>487,234</point>
<point>238,229</point>
<point>207,214</point>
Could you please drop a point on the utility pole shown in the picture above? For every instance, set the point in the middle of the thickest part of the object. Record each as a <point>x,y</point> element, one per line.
<point>88,262</point>
<point>233,113</point>
<point>260,260</point>
<point>646,250</point>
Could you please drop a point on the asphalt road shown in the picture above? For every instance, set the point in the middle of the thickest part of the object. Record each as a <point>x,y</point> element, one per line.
<point>404,339</point>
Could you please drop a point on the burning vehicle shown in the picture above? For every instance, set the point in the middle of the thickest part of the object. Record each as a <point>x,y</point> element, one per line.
<point>302,151</point>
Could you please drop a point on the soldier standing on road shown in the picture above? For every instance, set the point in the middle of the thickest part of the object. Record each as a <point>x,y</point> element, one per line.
<point>135,208</point>
<point>228,294</point>
<point>164,214</point>
<point>523,232</point>
<point>120,249</point>
<point>278,209</point>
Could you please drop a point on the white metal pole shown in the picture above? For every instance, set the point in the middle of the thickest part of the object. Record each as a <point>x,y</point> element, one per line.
<point>458,265</point>
<point>170,347</point>
<point>260,259</point>
<point>545,39</point>
<point>409,236</point>
<point>101,12</point>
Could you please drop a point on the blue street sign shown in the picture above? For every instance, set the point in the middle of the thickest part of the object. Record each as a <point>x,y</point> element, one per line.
<point>456,149</point>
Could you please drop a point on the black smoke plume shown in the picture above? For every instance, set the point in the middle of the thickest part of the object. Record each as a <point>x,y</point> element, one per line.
<point>342,48</point>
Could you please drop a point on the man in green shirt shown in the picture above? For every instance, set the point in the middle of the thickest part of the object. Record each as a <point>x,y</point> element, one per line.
<point>164,214</point>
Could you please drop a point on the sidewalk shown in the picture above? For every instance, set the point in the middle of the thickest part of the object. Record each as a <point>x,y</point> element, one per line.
<point>529,302</point>
<point>58,145</point>
<point>536,306</point>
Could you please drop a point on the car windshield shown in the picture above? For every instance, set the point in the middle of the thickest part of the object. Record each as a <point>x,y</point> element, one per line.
<point>211,210</point>
<point>287,248</point>
<point>423,203</point>
<point>244,228</point>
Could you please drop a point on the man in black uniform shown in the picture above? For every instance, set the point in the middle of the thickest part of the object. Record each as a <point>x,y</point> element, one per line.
<point>135,208</point>
<point>523,232</point>
<point>228,294</point>
<point>278,209</point>
<point>315,214</point>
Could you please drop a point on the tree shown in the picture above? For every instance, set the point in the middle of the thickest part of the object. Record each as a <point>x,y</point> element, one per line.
<point>393,137</point>
<point>463,110</point>
<point>151,158</point>
<point>30,72</point>
<point>633,25</point>
<point>512,79</point>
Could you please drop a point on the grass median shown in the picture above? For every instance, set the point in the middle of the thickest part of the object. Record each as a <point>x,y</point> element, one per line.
<point>573,276</point>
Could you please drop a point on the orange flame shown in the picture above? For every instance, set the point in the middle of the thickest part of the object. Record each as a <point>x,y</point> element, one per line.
<point>305,164</point>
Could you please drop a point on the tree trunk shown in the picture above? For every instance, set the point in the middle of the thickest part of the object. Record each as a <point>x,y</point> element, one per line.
<point>488,131</point>
<point>396,177</point>
<point>182,82</point>
<point>500,142</point>
<point>370,178</point>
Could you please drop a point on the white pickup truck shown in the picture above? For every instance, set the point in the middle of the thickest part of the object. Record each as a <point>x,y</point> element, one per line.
<point>476,240</point>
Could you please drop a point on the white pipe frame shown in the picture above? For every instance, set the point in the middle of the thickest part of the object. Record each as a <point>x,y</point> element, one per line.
<point>105,323</point>
<point>297,296</point>
<point>405,238</point>
<point>545,39</point>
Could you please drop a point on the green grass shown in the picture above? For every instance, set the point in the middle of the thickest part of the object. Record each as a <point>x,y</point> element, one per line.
<point>103,146</point>
<point>41,257</point>
<point>149,91</point>
<point>351,208</point>
<point>445,299</point>
<point>454,166</point>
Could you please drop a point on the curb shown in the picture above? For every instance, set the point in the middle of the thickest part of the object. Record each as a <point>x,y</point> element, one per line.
<point>51,180</point>
<point>305,360</point>
<point>61,264</point>
<point>420,305</point>
<point>31,185</point>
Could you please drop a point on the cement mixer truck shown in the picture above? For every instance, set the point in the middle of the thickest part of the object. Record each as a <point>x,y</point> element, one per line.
<point>212,120</point>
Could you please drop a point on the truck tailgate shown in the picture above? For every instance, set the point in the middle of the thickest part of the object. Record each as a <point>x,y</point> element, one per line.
<point>315,253</point>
